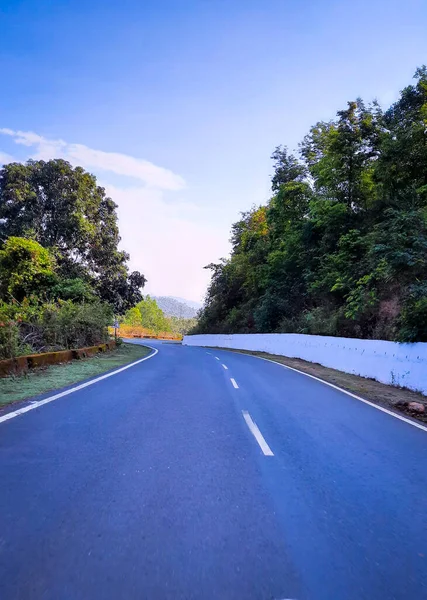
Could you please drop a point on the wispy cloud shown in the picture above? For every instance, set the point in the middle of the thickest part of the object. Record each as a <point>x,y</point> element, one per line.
<point>115,162</point>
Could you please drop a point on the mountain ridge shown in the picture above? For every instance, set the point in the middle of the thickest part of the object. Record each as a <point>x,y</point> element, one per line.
<point>177,307</point>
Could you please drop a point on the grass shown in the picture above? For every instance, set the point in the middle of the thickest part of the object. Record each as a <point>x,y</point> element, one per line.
<point>55,377</point>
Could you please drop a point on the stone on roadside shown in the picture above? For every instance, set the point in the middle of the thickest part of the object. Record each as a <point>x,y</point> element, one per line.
<point>416,407</point>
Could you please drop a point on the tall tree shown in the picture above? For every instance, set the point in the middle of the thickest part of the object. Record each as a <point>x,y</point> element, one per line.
<point>147,314</point>
<point>341,155</point>
<point>63,209</point>
<point>402,169</point>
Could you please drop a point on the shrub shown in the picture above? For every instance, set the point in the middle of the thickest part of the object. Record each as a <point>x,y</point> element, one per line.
<point>9,339</point>
<point>29,327</point>
<point>413,321</point>
<point>70,325</point>
<point>26,268</point>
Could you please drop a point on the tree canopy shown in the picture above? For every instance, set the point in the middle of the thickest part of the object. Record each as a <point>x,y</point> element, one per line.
<point>341,246</point>
<point>64,210</point>
<point>149,315</point>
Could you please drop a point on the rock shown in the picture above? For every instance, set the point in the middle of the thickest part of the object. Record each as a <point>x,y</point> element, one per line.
<point>416,407</point>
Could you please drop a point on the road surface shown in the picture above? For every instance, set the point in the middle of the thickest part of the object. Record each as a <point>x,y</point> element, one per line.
<point>204,474</point>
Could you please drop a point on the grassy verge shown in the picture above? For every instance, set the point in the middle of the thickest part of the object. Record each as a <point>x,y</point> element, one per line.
<point>54,377</point>
<point>393,398</point>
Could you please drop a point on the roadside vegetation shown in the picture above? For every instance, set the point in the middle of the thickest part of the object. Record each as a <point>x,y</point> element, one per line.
<point>149,316</point>
<point>63,277</point>
<point>40,381</point>
<point>341,246</point>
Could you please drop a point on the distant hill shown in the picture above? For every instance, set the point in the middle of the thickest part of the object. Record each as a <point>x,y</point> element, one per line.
<point>177,307</point>
<point>195,305</point>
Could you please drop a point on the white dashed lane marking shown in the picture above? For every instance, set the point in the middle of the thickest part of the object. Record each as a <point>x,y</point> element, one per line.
<point>253,428</point>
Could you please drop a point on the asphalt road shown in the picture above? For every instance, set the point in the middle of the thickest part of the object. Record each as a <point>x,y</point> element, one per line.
<point>166,481</point>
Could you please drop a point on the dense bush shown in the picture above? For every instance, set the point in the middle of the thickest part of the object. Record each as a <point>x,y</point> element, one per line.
<point>70,325</point>
<point>31,327</point>
<point>10,342</point>
<point>26,268</point>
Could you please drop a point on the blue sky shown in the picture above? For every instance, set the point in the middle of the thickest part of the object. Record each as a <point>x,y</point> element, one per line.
<point>191,97</point>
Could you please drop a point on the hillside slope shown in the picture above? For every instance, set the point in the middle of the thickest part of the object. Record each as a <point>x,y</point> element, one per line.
<point>174,308</point>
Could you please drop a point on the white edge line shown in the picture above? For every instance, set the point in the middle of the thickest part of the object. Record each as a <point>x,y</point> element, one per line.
<point>385,410</point>
<point>253,428</point>
<point>36,404</point>
<point>233,381</point>
<point>225,367</point>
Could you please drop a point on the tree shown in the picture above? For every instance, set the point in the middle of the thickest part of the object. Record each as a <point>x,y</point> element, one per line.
<point>133,317</point>
<point>402,169</point>
<point>287,168</point>
<point>147,314</point>
<point>63,209</point>
<point>341,155</point>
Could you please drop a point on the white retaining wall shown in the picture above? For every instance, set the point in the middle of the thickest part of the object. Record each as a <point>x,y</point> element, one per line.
<point>389,362</point>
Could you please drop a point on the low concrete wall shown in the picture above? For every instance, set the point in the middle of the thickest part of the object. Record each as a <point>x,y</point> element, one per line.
<point>396,364</point>
<point>21,364</point>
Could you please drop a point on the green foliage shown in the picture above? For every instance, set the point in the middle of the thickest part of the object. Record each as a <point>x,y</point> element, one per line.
<point>181,325</point>
<point>147,314</point>
<point>64,210</point>
<point>61,273</point>
<point>75,289</point>
<point>31,326</point>
<point>341,247</point>
<point>133,317</point>
<point>413,322</point>
<point>26,268</point>
<point>70,325</point>
<point>10,343</point>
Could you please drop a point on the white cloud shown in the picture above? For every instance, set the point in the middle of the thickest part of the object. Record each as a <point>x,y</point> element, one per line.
<point>170,242</point>
<point>78,154</point>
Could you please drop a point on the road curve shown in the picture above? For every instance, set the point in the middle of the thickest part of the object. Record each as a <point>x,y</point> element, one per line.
<point>205,474</point>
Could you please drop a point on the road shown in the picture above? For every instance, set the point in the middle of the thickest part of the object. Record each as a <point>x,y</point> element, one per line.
<point>169,481</point>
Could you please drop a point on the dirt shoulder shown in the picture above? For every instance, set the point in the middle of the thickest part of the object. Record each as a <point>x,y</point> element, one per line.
<point>393,398</point>
<point>54,377</point>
